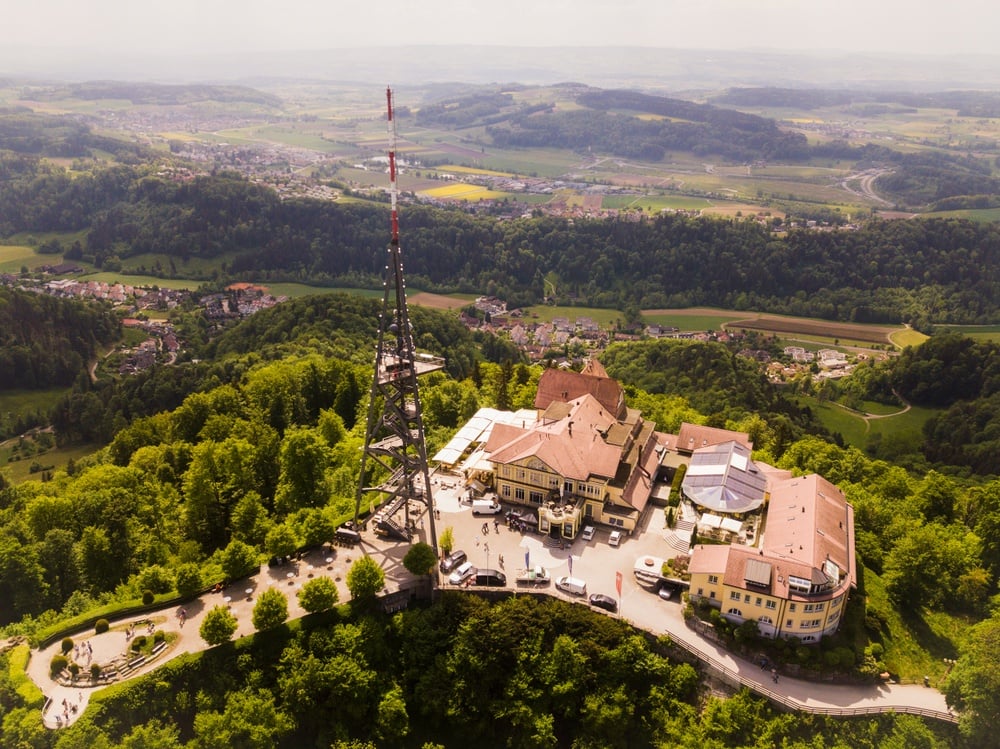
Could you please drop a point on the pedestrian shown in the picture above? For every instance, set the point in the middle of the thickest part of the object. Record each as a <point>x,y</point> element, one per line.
<point>477,541</point>
<point>496,526</point>
<point>774,675</point>
<point>501,561</point>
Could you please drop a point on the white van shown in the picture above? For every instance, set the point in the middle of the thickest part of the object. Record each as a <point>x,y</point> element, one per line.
<point>615,538</point>
<point>573,585</point>
<point>485,507</point>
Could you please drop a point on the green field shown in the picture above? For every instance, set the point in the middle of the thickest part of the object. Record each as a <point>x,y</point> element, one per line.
<point>900,427</point>
<point>544,313</point>
<point>56,459</point>
<point>983,332</point>
<point>129,279</point>
<point>702,319</point>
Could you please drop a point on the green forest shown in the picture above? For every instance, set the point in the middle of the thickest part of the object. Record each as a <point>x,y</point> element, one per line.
<point>524,672</point>
<point>260,452</point>
<point>248,446</point>
<point>921,272</point>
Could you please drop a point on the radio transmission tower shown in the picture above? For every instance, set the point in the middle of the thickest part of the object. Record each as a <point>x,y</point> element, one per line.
<point>394,468</point>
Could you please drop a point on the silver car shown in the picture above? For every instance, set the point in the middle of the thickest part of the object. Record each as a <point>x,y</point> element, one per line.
<point>462,573</point>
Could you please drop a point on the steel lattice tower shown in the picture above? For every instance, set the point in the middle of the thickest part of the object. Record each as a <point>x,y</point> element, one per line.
<point>394,467</point>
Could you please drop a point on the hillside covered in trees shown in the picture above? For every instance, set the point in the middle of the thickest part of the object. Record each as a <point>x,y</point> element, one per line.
<point>525,672</point>
<point>46,341</point>
<point>919,271</point>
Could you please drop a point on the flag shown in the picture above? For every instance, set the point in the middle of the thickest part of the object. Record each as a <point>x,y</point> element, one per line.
<point>571,564</point>
<point>618,583</point>
<point>527,560</point>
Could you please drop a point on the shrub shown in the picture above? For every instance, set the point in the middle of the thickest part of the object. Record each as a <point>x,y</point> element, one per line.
<point>155,578</point>
<point>95,671</point>
<point>67,645</point>
<point>101,626</point>
<point>147,597</point>
<point>159,636</point>
<point>74,669</point>
<point>57,664</point>
<point>188,579</point>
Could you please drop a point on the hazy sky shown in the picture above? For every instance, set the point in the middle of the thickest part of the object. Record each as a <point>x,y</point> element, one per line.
<point>186,26</point>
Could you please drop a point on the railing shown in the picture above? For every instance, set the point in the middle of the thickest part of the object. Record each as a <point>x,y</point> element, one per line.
<point>735,679</point>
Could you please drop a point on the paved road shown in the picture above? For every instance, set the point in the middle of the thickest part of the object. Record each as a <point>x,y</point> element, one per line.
<point>594,561</point>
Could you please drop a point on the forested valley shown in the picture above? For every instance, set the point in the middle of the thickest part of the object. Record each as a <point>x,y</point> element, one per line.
<point>921,272</point>
<point>261,453</point>
<point>249,444</point>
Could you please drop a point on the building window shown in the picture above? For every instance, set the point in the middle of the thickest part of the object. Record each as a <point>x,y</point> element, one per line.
<point>520,474</point>
<point>788,623</point>
<point>701,591</point>
<point>568,487</point>
<point>758,601</point>
<point>765,620</point>
<point>833,618</point>
<point>808,608</point>
<point>519,494</point>
<point>809,623</point>
<point>808,638</point>
<point>746,598</point>
<point>534,478</point>
<point>505,490</point>
<point>819,606</point>
<point>734,596</point>
<point>770,605</point>
<point>535,497</point>
<point>735,612</point>
<point>713,579</point>
<point>711,594</point>
<point>791,607</point>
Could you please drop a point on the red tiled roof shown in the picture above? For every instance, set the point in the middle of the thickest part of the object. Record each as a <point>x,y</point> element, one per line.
<point>566,385</point>
<point>690,437</point>
<point>572,447</point>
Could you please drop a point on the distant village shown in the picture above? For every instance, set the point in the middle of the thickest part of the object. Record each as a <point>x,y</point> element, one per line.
<point>162,344</point>
<point>574,339</point>
<point>582,337</point>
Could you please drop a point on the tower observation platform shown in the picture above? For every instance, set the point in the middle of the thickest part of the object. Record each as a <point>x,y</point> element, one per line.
<point>394,477</point>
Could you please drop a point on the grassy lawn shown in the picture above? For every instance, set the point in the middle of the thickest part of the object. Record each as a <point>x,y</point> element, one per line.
<point>983,332</point>
<point>902,427</point>
<point>544,313</point>
<point>18,471</point>
<point>26,401</point>
<point>688,320</point>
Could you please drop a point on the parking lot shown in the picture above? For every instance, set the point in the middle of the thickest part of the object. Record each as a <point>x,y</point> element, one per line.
<point>593,561</point>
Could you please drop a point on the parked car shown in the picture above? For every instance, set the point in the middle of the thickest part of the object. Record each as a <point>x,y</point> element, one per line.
<point>452,561</point>
<point>491,577</point>
<point>601,601</point>
<point>485,507</point>
<point>588,533</point>
<point>462,573</point>
<point>615,538</point>
<point>572,585</point>
<point>666,591</point>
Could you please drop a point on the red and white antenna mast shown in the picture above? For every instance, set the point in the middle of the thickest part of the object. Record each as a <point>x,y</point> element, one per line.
<point>391,125</point>
<point>394,468</point>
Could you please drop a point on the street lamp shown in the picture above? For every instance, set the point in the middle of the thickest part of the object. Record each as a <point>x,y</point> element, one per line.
<point>487,547</point>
